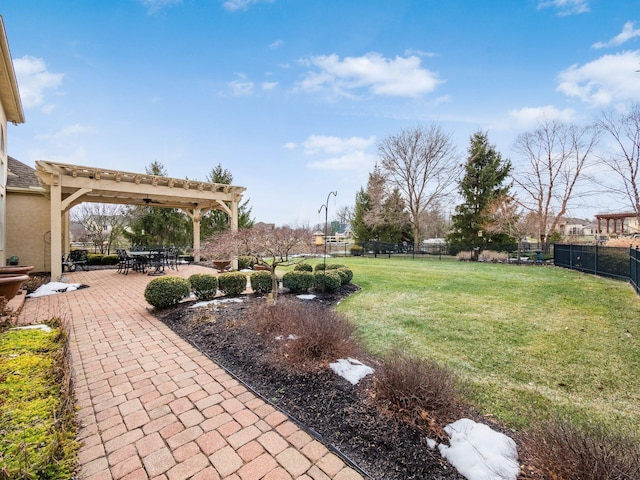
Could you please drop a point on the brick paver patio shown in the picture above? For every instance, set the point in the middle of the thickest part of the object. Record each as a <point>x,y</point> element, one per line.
<point>151,406</point>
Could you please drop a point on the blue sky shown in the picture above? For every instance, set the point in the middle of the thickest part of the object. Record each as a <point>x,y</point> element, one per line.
<point>292,96</point>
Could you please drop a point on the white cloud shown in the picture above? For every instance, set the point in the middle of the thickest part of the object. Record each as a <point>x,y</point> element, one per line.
<point>566,7</point>
<point>403,77</point>
<point>628,32</point>
<point>361,161</point>
<point>335,145</point>
<point>276,44</point>
<point>269,85</point>
<point>234,5</point>
<point>606,80</point>
<point>153,6</point>
<point>345,154</point>
<point>70,131</point>
<point>34,80</point>
<point>241,87</point>
<point>528,117</point>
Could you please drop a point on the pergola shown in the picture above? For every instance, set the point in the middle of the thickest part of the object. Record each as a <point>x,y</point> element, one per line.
<point>615,218</point>
<point>69,185</point>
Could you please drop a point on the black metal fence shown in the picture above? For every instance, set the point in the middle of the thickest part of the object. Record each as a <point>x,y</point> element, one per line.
<point>610,262</point>
<point>634,267</point>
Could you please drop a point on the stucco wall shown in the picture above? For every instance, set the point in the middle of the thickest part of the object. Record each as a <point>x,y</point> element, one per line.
<point>27,230</point>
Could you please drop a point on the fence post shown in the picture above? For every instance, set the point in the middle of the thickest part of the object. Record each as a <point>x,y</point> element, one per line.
<point>595,261</point>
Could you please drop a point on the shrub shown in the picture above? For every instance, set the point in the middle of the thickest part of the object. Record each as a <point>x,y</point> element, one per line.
<point>261,282</point>
<point>163,292</point>
<point>348,272</point>
<point>356,250</point>
<point>303,267</point>
<point>562,449</point>
<point>493,256</point>
<point>109,260</point>
<point>417,389</point>
<point>344,276</point>
<point>330,280</point>
<point>94,259</point>
<point>335,266</point>
<point>298,281</point>
<point>319,267</point>
<point>246,262</point>
<point>204,285</point>
<point>232,284</point>
<point>321,333</point>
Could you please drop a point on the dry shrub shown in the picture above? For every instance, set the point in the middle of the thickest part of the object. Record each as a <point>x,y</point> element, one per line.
<point>34,282</point>
<point>493,256</point>
<point>418,390</point>
<point>319,334</point>
<point>464,256</point>
<point>560,449</point>
<point>622,242</point>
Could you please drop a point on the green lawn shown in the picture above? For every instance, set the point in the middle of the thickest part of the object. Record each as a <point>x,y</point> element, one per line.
<point>529,340</point>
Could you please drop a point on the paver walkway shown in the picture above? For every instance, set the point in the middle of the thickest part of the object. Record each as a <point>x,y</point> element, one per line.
<point>151,406</point>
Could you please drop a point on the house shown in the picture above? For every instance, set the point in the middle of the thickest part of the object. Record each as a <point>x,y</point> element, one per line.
<point>577,227</point>
<point>10,112</point>
<point>29,235</point>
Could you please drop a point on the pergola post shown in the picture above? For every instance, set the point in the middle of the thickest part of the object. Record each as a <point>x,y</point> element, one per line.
<point>56,227</point>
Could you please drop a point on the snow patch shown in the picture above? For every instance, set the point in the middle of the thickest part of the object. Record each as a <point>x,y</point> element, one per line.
<point>306,297</point>
<point>216,302</point>
<point>351,369</point>
<point>480,453</point>
<point>44,328</point>
<point>52,288</point>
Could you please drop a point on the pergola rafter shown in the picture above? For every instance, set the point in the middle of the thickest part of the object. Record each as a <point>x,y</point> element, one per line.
<point>69,185</point>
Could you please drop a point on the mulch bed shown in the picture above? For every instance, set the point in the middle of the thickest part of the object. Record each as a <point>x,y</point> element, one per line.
<point>325,404</point>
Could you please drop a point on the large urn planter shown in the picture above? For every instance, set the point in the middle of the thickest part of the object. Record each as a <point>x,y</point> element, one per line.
<point>10,284</point>
<point>16,269</point>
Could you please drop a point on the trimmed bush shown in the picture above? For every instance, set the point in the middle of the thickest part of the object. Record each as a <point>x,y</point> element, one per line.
<point>344,276</point>
<point>94,259</point>
<point>356,250</point>
<point>246,262</point>
<point>261,282</point>
<point>349,274</point>
<point>303,267</point>
<point>109,260</point>
<point>204,285</point>
<point>330,279</point>
<point>298,281</point>
<point>232,284</point>
<point>163,292</point>
<point>335,266</point>
<point>319,267</point>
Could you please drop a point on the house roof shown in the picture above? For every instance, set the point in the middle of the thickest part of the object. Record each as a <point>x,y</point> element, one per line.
<point>9,93</point>
<point>20,175</point>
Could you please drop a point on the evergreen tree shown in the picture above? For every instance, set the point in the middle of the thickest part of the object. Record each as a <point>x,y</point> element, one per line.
<point>216,220</point>
<point>361,231</point>
<point>150,225</point>
<point>483,181</point>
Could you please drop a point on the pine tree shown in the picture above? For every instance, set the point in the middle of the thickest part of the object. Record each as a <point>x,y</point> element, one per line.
<point>483,181</point>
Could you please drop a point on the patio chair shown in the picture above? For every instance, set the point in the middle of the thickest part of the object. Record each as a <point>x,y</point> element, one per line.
<point>125,262</point>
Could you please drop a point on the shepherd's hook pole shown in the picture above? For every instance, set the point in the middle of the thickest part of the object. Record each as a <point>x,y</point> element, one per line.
<point>326,219</point>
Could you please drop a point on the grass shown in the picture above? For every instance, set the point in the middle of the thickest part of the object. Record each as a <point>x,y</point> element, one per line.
<point>531,341</point>
<point>36,413</point>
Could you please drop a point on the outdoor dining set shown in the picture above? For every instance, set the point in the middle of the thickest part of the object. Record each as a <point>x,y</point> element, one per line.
<point>150,261</point>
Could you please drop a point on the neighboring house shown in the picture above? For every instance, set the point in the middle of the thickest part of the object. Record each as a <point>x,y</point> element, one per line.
<point>577,227</point>
<point>10,111</point>
<point>28,218</point>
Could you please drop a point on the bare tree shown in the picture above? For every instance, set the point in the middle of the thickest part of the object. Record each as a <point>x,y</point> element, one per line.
<point>624,129</point>
<point>271,246</point>
<point>104,223</point>
<point>506,216</point>
<point>421,162</point>
<point>556,155</point>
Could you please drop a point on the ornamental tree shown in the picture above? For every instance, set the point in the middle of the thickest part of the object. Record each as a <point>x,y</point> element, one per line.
<point>272,247</point>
